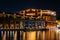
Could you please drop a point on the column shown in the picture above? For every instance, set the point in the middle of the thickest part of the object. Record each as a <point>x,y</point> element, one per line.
<point>21,25</point>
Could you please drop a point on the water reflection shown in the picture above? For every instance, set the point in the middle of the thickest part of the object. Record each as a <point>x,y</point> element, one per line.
<point>31,35</point>
<point>41,35</point>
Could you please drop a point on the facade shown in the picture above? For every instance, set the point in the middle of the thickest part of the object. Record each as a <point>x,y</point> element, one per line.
<point>42,18</point>
<point>29,18</point>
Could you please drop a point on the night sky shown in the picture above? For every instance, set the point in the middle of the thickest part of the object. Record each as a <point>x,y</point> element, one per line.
<point>17,5</point>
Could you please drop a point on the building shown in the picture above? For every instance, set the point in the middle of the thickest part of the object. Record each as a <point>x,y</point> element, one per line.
<point>27,19</point>
<point>42,18</point>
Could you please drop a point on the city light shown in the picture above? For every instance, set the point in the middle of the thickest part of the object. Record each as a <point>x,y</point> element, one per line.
<point>30,14</point>
<point>52,13</point>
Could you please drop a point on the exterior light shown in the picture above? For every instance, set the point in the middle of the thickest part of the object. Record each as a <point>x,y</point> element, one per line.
<point>12,25</point>
<point>23,11</point>
<point>28,10</point>
<point>0,25</point>
<point>57,30</point>
<point>38,17</point>
<point>58,25</point>
<point>30,14</point>
<point>33,9</point>
<point>52,13</point>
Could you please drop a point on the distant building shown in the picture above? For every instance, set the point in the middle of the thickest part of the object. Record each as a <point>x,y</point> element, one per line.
<point>29,18</point>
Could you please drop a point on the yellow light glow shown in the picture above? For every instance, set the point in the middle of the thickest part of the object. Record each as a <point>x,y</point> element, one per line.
<point>58,30</point>
<point>24,11</point>
<point>33,9</point>
<point>58,22</point>
<point>12,25</point>
<point>28,10</point>
<point>31,36</point>
<point>30,14</point>
<point>0,25</point>
<point>52,13</point>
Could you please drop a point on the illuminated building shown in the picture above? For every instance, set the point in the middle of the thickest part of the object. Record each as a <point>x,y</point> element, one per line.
<point>27,19</point>
<point>38,18</point>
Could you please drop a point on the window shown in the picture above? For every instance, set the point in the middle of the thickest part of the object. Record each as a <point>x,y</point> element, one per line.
<point>41,23</point>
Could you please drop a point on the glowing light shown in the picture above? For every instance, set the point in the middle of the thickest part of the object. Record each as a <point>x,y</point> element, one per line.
<point>31,36</point>
<point>58,30</point>
<point>28,10</point>
<point>12,25</point>
<point>33,9</point>
<point>58,25</point>
<point>0,25</point>
<point>30,14</point>
<point>52,13</point>
<point>23,11</point>
<point>58,22</point>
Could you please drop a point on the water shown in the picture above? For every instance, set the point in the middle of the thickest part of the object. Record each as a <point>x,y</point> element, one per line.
<point>41,35</point>
<point>31,35</point>
<point>0,33</point>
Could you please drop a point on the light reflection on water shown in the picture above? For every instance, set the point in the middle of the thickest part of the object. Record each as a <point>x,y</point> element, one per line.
<point>33,35</point>
<point>42,35</point>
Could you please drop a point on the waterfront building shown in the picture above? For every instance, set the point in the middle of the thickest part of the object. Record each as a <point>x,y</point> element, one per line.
<point>28,19</point>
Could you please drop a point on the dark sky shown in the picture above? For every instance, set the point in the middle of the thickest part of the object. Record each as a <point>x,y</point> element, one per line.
<point>17,5</point>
